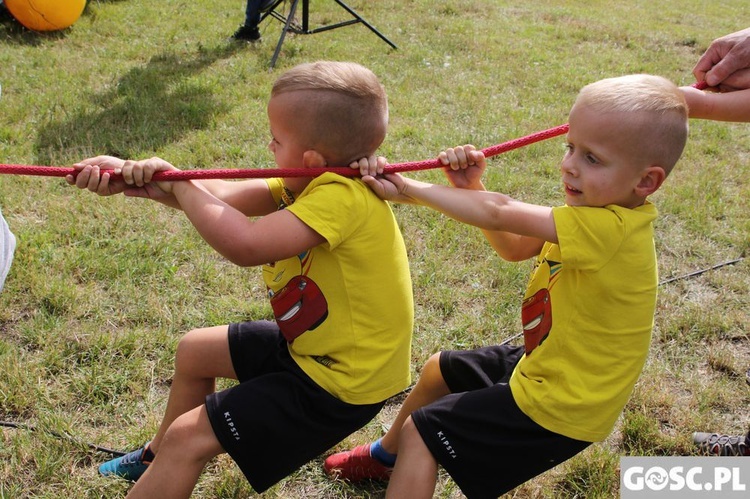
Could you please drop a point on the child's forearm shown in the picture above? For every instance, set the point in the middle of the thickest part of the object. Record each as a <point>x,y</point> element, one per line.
<point>218,223</point>
<point>508,246</point>
<point>728,106</point>
<point>467,206</point>
<point>491,211</point>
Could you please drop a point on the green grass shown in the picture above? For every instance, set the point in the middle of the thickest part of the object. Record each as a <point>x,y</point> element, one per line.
<point>103,288</point>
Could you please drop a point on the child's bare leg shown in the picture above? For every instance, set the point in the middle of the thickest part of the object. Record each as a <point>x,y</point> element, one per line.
<point>202,356</point>
<point>375,461</point>
<point>430,387</point>
<point>415,473</point>
<point>186,447</point>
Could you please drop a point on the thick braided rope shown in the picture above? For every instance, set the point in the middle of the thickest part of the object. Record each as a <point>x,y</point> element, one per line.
<point>58,171</point>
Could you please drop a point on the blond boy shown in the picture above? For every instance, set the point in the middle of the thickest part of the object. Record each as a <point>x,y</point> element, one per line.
<point>497,416</point>
<point>331,358</point>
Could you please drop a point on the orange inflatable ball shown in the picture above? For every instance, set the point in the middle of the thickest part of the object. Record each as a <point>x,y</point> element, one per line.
<point>46,15</point>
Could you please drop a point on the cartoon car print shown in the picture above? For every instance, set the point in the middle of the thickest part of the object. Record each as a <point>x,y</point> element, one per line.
<point>299,306</point>
<point>536,315</point>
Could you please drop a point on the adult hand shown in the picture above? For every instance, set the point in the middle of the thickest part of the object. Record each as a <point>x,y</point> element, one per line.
<point>726,62</point>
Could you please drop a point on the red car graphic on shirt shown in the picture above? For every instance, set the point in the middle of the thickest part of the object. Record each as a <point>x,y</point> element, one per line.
<point>299,306</point>
<point>536,315</point>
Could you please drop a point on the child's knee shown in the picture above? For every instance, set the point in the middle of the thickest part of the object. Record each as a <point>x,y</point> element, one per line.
<point>431,372</point>
<point>432,366</point>
<point>188,348</point>
<point>191,436</point>
<point>409,432</point>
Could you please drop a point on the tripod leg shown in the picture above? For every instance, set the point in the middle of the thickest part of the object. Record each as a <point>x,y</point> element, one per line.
<point>284,30</point>
<point>360,19</point>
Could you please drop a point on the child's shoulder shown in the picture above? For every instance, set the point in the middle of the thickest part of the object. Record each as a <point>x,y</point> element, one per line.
<point>347,199</point>
<point>341,187</point>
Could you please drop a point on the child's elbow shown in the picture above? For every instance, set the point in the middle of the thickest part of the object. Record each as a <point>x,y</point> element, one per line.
<point>242,258</point>
<point>514,256</point>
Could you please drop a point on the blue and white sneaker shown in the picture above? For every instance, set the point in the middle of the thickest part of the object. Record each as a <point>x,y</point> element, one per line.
<point>130,466</point>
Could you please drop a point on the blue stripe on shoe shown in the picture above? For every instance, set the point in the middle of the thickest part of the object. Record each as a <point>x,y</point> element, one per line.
<point>130,466</point>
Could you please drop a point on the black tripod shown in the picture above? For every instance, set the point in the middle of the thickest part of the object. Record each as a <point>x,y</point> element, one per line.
<point>305,28</point>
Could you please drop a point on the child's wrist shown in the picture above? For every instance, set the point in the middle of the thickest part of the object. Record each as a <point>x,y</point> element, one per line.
<point>176,188</point>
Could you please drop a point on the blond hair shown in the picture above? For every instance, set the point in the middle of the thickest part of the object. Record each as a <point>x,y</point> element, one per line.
<point>652,106</point>
<point>346,115</point>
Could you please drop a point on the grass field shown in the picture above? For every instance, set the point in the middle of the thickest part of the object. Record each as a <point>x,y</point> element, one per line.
<point>102,288</point>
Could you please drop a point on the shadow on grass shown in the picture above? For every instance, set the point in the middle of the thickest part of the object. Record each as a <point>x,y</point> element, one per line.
<point>147,107</point>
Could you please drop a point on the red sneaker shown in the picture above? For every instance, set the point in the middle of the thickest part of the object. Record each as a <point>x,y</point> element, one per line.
<point>356,465</point>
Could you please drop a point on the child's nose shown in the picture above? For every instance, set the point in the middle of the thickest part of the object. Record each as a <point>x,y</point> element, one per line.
<point>567,165</point>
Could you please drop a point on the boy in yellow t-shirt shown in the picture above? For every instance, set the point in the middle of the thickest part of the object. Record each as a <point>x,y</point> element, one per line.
<point>325,366</point>
<point>497,416</point>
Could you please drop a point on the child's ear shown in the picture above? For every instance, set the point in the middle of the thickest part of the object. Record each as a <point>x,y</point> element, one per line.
<point>651,179</point>
<point>313,159</point>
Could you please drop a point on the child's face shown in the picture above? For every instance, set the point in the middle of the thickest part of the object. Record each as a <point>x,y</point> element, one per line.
<point>601,165</point>
<point>286,144</point>
<point>287,135</point>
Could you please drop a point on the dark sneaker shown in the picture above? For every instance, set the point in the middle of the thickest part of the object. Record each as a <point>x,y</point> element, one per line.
<point>716,444</point>
<point>356,465</point>
<point>247,34</point>
<point>130,466</point>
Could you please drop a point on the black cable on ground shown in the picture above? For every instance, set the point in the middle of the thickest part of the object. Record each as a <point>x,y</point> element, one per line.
<point>699,272</point>
<point>22,426</point>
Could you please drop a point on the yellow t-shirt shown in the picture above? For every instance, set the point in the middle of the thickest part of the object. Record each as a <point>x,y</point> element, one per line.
<point>588,315</point>
<point>358,312</point>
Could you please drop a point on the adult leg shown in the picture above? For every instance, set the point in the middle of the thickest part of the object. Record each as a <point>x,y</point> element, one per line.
<point>202,356</point>
<point>252,13</point>
<point>415,473</point>
<point>186,446</point>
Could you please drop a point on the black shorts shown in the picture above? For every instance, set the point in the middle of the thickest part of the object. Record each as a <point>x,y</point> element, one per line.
<point>276,419</point>
<point>478,433</point>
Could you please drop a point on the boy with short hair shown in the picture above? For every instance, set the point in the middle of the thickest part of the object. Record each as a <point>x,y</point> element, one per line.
<point>326,365</point>
<point>497,416</point>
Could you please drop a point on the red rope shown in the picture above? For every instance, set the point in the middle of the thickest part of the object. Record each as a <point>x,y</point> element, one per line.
<point>58,171</point>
